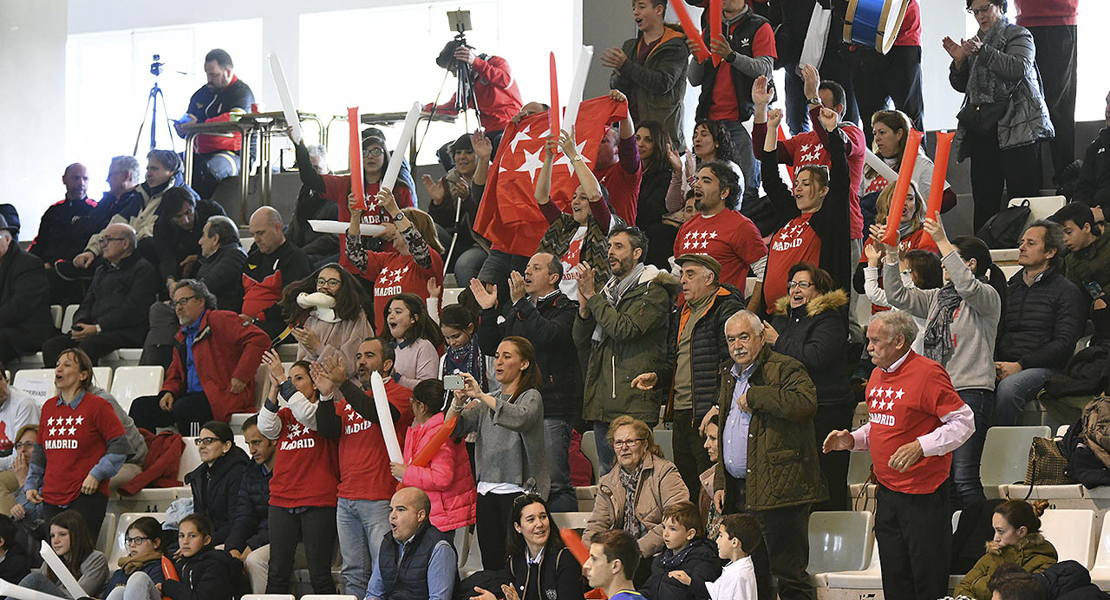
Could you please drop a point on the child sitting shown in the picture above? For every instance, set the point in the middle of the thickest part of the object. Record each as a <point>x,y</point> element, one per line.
<point>687,552</point>
<point>737,538</point>
<point>206,573</point>
<point>144,566</point>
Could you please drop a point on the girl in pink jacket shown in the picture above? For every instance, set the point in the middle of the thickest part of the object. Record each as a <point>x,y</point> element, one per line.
<point>447,479</point>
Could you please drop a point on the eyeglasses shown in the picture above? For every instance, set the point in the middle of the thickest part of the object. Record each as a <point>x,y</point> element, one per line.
<point>135,541</point>
<point>320,282</point>
<point>375,151</point>
<point>21,445</point>
<point>204,441</point>
<point>183,301</point>
<point>975,12</point>
<point>805,285</point>
<point>627,443</point>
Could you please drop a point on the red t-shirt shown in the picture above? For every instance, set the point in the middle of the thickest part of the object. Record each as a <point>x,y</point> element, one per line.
<point>338,187</point>
<point>1046,13</point>
<point>724,105</point>
<point>393,274</point>
<point>918,240</point>
<point>910,33</point>
<point>807,149</point>
<point>306,467</point>
<point>794,243</point>
<point>727,236</point>
<point>363,460</point>
<point>903,406</point>
<point>623,184</point>
<point>74,440</point>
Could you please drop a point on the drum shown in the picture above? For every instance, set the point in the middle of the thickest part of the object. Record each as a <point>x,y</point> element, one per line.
<point>874,23</point>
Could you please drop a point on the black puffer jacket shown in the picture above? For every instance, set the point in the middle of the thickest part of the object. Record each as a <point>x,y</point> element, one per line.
<point>1093,187</point>
<point>207,575</point>
<point>25,321</point>
<point>251,526</point>
<point>548,326</point>
<point>817,335</point>
<point>1068,580</point>
<point>216,490</point>
<point>120,296</point>
<point>1041,323</point>
<point>699,560</point>
<point>709,357</point>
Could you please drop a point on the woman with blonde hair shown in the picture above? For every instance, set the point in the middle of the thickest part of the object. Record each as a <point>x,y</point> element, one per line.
<point>633,495</point>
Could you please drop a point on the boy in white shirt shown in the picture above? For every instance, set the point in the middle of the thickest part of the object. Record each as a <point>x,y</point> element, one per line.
<point>738,537</point>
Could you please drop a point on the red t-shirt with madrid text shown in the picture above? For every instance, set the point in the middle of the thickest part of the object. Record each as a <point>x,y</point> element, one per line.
<point>395,273</point>
<point>903,406</point>
<point>727,236</point>
<point>74,440</point>
<point>794,243</point>
<point>306,467</point>
<point>363,460</point>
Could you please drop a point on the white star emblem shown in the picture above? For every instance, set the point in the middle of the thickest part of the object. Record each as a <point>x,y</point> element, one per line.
<point>521,136</point>
<point>805,148</point>
<point>69,420</point>
<point>79,420</point>
<point>532,163</point>
<point>351,417</point>
<point>53,432</point>
<point>785,234</point>
<point>72,430</point>
<point>50,421</point>
<point>713,235</point>
<point>899,394</point>
<point>563,160</point>
<point>873,403</point>
<point>888,393</point>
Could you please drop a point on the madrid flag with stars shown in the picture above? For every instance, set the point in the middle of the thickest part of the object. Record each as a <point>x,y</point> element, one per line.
<point>508,215</point>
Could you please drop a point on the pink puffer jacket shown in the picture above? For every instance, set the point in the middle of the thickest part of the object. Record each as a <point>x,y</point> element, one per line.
<point>447,480</point>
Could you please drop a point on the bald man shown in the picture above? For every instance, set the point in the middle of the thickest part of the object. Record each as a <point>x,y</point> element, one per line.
<point>114,312</point>
<point>60,236</point>
<point>416,560</point>
<point>272,264</point>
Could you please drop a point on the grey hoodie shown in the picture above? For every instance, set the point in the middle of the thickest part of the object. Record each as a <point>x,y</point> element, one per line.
<point>974,327</point>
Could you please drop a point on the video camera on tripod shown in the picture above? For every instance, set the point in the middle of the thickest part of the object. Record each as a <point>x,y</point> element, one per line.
<point>459,21</point>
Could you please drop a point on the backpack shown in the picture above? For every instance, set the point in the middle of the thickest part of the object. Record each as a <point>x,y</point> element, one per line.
<point>1004,229</point>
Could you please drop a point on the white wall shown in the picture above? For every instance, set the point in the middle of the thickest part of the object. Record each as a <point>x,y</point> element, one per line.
<point>32,69</point>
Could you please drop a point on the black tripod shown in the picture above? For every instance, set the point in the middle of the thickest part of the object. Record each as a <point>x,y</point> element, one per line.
<point>151,110</point>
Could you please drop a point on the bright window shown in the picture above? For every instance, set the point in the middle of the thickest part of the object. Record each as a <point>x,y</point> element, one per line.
<point>383,59</point>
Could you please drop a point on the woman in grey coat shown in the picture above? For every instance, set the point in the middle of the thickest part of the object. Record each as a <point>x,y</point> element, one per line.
<point>1004,112</point>
<point>961,324</point>
<point>509,455</point>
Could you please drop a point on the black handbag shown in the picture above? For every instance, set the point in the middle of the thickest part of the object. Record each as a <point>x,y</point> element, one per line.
<point>982,118</point>
<point>1004,229</point>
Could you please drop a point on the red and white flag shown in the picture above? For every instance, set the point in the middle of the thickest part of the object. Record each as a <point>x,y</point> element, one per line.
<point>508,215</point>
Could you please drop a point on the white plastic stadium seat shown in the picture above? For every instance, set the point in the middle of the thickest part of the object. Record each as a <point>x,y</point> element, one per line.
<point>132,382</point>
<point>328,597</point>
<point>107,532</point>
<point>572,520</point>
<point>57,311</point>
<point>1072,532</point>
<point>1009,270</point>
<point>67,317</point>
<point>269,596</point>
<point>664,438</point>
<point>102,377</point>
<point>839,541</point>
<point>1100,574</point>
<point>190,458</point>
<point>589,449</point>
<point>1041,207</point>
<point>36,383</point>
<point>451,296</point>
<point>870,578</point>
<point>1004,456</point>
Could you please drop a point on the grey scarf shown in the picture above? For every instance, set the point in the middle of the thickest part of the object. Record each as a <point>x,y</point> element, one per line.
<point>937,341</point>
<point>630,482</point>
<point>983,86</point>
<point>616,289</point>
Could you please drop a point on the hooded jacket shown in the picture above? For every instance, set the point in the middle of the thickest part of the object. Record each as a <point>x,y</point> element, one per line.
<point>782,457</point>
<point>634,334</point>
<point>1069,580</point>
<point>447,479</point>
<point>659,84</point>
<point>816,334</point>
<point>700,561</point>
<point>216,490</point>
<point>1032,552</point>
<point>660,486</point>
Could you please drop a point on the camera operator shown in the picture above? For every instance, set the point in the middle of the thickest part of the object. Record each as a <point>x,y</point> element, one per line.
<point>217,156</point>
<point>485,83</point>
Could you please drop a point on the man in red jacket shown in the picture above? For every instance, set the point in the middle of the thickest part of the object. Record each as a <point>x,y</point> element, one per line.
<point>214,362</point>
